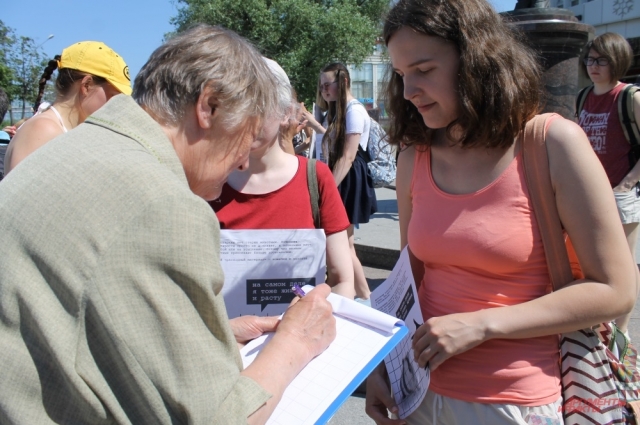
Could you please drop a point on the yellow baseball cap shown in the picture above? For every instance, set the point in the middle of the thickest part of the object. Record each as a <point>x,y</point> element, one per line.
<point>96,58</point>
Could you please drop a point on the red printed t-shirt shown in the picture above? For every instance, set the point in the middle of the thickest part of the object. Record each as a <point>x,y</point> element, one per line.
<point>286,208</point>
<point>483,250</point>
<point>599,119</point>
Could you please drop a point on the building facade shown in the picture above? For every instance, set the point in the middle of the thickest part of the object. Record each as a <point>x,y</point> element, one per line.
<point>368,81</point>
<point>619,16</point>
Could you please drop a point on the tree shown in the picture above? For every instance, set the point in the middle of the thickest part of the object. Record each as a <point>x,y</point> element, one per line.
<point>301,35</point>
<point>27,63</point>
<point>7,40</point>
<point>21,64</point>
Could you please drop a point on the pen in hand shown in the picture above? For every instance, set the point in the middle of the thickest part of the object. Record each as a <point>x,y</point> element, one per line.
<point>298,291</point>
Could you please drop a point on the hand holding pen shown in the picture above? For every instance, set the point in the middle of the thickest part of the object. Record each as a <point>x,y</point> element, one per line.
<point>306,330</point>
<point>310,320</point>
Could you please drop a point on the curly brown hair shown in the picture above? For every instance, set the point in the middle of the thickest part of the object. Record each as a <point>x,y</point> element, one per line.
<point>498,78</point>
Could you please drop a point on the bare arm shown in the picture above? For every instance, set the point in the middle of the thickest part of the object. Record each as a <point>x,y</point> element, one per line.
<point>630,180</point>
<point>343,164</point>
<point>306,330</point>
<point>312,123</point>
<point>588,212</point>
<point>295,125</point>
<point>339,265</point>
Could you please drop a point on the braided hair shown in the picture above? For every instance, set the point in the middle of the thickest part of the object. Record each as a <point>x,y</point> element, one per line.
<point>46,75</point>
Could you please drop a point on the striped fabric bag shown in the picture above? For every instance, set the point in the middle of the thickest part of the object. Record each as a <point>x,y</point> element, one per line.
<point>600,378</point>
<point>598,387</point>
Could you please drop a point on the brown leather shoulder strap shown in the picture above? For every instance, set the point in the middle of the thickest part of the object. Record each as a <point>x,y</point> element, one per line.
<point>536,167</point>
<point>312,184</point>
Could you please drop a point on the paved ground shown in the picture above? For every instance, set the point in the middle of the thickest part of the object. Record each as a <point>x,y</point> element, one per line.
<point>352,413</point>
<point>378,241</point>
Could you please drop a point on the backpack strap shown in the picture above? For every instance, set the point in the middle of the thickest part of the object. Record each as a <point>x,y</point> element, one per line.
<point>312,184</point>
<point>582,97</point>
<point>627,115</point>
<point>543,200</point>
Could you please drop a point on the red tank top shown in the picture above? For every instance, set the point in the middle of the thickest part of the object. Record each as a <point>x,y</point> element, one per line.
<point>599,119</point>
<point>483,250</point>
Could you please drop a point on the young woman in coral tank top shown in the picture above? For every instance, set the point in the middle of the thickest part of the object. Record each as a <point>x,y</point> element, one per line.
<point>462,90</point>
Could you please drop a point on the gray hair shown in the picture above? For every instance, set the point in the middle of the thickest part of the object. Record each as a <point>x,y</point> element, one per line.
<point>178,71</point>
<point>286,104</point>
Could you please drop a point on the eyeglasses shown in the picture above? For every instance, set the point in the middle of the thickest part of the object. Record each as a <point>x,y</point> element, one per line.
<point>601,61</point>
<point>325,86</point>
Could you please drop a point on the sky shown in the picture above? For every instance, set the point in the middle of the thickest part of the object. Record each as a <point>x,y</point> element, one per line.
<point>133,28</point>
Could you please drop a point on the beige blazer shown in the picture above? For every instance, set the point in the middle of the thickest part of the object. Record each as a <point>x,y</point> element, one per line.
<point>110,305</point>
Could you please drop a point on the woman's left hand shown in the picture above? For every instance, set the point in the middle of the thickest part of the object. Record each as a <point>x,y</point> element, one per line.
<point>442,337</point>
<point>246,328</point>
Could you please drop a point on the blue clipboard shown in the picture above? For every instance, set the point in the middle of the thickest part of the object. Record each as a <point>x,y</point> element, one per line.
<point>366,371</point>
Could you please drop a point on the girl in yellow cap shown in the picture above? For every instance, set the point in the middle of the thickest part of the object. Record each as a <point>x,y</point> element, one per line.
<point>89,74</point>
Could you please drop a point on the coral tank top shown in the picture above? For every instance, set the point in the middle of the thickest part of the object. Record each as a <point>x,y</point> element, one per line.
<point>483,250</point>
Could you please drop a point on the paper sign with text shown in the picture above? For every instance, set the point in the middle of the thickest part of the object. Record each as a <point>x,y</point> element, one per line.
<point>261,266</point>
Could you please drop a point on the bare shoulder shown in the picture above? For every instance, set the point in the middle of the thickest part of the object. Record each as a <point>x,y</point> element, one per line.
<point>33,134</point>
<point>39,128</point>
<point>567,141</point>
<point>407,155</point>
<point>571,157</point>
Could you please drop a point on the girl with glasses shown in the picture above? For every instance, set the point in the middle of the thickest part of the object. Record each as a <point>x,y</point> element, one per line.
<point>607,59</point>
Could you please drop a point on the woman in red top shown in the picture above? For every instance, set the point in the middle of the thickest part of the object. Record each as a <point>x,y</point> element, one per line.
<point>462,91</point>
<point>272,193</point>
<point>607,58</point>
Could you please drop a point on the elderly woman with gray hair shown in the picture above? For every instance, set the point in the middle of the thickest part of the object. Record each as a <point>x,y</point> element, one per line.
<point>110,304</point>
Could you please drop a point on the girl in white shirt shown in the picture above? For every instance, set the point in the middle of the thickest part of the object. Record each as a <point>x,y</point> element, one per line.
<point>344,143</point>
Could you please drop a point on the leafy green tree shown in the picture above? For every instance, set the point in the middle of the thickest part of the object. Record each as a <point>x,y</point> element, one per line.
<point>21,64</point>
<point>301,35</point>
<point>27,63</point>
<point>7,40</point>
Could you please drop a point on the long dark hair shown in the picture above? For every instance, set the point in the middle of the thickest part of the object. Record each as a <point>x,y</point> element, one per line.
<point>335,136</point>
<point>66,78</point>
<point>498,78</point>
